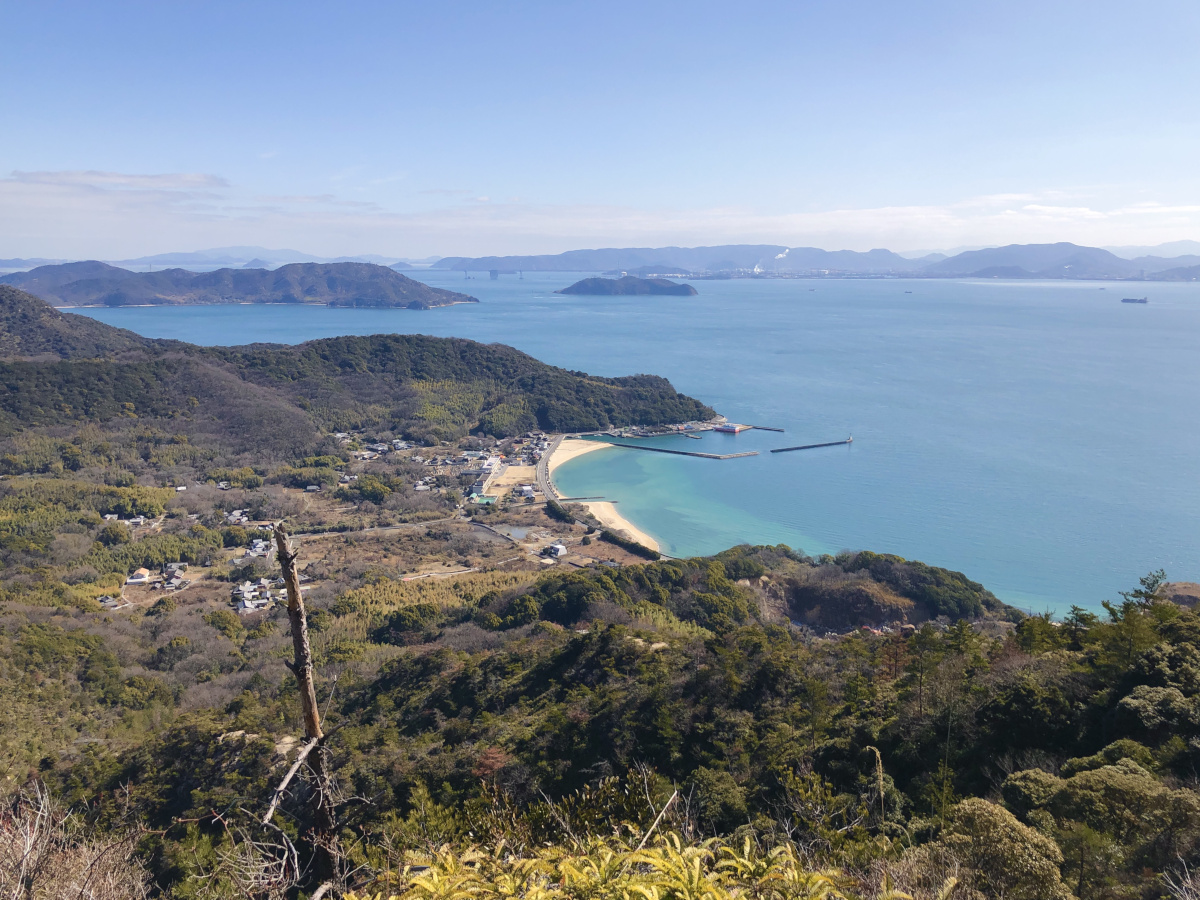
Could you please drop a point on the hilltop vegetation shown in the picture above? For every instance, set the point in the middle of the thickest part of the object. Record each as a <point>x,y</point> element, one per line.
<point>522,712</point>
<point>334,284</point>
<point>30,328</point>
<point>261,395</point>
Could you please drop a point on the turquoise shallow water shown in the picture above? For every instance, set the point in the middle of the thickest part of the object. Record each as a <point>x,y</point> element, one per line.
<point>1041,437</point>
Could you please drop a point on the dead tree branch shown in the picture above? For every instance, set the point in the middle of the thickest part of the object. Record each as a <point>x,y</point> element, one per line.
<point>291,773</point>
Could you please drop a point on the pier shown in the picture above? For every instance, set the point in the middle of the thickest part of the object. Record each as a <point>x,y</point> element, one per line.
<point>766,428</point>
<point>643,437</point>
<point>685,452</point>
<point>849,440</point>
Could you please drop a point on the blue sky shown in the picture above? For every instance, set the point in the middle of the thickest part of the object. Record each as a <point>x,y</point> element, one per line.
<point>467,128</point>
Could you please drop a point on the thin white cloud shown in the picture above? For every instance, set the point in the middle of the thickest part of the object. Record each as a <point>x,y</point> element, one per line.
<point>174,181</point>
<point>116,215</point>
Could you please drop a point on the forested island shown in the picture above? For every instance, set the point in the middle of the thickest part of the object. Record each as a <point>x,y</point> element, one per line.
<point>499,718</point>
<point>627,285</point>
<point>351,284</point>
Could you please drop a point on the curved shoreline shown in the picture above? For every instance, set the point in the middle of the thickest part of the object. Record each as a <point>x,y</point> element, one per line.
<point>604,511</point>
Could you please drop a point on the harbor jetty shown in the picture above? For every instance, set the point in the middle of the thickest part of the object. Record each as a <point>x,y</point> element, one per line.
<point>684,452</point>
<point>849,440</point>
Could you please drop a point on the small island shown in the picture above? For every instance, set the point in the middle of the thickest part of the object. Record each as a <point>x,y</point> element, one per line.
<point>630,284</point>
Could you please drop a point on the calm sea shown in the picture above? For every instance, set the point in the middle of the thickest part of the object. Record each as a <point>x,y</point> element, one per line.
<point>1043,438</point>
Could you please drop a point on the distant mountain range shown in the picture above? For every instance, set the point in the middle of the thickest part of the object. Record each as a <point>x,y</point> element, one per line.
<point>692,259</point>
<point>1176,261</point>
<point>95,283</point>
<point>1172,249</point>
<point>247,258</point>
<point>1054,261</point>
<point>764,258</point>
<point>228,258</point>
<point>1039,261</point>
<point>9,264</point>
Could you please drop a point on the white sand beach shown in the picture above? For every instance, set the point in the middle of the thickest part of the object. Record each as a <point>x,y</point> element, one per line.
<point>571,448</point>
<point>604,511</point>
<point>612,520</point>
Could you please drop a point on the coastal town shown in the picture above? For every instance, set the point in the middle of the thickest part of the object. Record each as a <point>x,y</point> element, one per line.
<point>434,510</point>
<point>491,505</point>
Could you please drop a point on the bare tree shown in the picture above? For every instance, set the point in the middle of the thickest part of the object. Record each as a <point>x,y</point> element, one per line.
<point>47,854</point>
<point>314,753</point>
<point>1183,883</point>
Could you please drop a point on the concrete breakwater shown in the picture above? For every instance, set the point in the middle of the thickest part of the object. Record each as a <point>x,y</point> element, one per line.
<point>684,452</point>
<point>849,440</point>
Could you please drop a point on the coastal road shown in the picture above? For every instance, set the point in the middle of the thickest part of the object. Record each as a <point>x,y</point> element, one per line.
<point>543,470</point>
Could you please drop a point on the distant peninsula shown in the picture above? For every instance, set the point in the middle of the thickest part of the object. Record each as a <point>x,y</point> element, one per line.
<point>630,284</point>
<point>353,284</point>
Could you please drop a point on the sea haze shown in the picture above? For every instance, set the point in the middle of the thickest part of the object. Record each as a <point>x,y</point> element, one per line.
<point>1039,436</point>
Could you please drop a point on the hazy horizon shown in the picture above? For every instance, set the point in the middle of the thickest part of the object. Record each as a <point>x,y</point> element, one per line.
<point>212,257</point>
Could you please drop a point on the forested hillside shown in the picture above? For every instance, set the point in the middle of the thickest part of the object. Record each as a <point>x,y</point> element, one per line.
<point>578,710</point>
<point>31,328</point>
<point>334,284</point>
<point>415,386</point>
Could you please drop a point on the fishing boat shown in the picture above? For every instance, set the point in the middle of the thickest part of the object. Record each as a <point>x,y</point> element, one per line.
<point>1135,299</point>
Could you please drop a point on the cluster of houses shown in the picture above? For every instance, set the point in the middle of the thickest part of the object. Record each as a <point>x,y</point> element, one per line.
<point>132,522</point>
<point>531,447</point>
<point>111,603</point>
<point>372,450</point>
<point>482,465</point>
<point>237,517</point>
<point>255,596</point>
<point>170,579</point>
<point>260,548</point>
